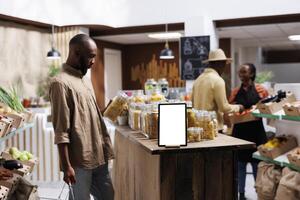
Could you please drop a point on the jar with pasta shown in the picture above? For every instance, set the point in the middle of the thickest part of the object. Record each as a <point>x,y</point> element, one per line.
<point>116,107</point>
<point>191,117</point>
<point>143,120</point>
<point>194,134</point>
<point>208,127</point>
<point>153,122</point>
<point>215,122</point>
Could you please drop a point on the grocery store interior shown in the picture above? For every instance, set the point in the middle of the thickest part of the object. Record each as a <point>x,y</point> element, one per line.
<point>239,140</point>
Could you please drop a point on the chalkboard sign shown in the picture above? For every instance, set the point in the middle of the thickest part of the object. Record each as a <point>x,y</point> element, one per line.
<point>193,50</point>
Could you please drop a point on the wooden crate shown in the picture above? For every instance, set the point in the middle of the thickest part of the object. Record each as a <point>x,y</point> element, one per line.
<point>236,119</point>
<point>4,191</point>
<point>277,151</point>
<point>273,107</point>
<point>31,163</point>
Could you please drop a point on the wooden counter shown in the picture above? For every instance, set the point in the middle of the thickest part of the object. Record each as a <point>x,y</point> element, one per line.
<point>204,170</point>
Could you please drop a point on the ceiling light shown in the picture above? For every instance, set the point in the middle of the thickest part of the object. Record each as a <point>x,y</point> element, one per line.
<point>294,37</point>
<point>164,36</point>
<point>53,54</point>
<point>166,53</point>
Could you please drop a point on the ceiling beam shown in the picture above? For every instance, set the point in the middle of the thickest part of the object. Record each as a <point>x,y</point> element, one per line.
<point>137,29</point>
<point>273,19</point>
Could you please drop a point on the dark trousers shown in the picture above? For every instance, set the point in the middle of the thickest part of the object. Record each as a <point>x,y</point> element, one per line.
<point>242,167</point>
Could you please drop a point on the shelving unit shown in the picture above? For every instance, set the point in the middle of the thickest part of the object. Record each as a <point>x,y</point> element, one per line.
<point>279,115</point>
<point>15,132</point>
<point>280,160</point>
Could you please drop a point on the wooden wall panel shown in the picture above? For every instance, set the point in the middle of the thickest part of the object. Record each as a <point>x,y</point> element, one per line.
<point>225,44</point>
<point>141,61</point>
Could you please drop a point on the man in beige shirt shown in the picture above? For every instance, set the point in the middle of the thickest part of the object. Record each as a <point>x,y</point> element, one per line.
<point>80,132</point>
<point>209,88</point>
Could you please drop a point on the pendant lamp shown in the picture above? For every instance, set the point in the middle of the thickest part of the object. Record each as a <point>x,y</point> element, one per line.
<point>53,54</point>
<point>166,53</point>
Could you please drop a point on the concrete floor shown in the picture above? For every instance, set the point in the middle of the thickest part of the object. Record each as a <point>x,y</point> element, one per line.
<point>52,190</point>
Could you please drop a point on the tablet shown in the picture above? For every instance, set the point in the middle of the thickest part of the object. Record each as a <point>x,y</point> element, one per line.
<point>172,125</point>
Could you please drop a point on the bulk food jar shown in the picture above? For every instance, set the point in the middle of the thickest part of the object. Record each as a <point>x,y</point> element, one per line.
<point>150,86</point>
<point>135,110</point>
<point>152,121</point>
<point>144,123</point>
<point>116,107</point>
<point>137,96</point>
<point>163,85</point>
<point>195,134</point>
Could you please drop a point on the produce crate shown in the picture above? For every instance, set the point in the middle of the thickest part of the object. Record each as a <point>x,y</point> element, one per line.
<point>241,118</point>
<point>273,107</point>
<point>277,151</point>
<point>294,157</point>
<point>31,163</point>
<point>4,191</point>
<point>19,119</point>
<point>292,109</point>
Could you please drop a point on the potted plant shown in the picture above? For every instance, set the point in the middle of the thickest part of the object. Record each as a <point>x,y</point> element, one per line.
<point>264,78</point>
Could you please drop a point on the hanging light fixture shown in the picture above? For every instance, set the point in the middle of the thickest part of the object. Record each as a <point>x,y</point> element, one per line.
<point>53,53</point>
<point>166,53</point>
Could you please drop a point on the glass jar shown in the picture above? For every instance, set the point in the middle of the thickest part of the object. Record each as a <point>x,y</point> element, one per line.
<point>208,127</point>
<point>215,122</point>
<point>191,117</point>
<point>152,120</point>
<point>150,86</point>
<point>116,107</point>
<point>137,96</point>
<point>163,85</point>
<point>156,96</point>
<point>194,134</point>
<point>143,120</point>
<point>135,110</point>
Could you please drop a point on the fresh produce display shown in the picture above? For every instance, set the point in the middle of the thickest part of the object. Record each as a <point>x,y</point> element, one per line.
<point>275,142</point>
<point>20,155</point>
<point>11,99</point>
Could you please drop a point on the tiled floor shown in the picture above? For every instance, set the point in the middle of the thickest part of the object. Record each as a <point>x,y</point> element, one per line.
<point>52,190</point>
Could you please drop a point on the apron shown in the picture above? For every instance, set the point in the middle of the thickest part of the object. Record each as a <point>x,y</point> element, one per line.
<point>251,131</point>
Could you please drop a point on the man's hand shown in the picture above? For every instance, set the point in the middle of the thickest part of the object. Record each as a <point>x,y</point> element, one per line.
<point>69,176</point>
<point>5,174</point>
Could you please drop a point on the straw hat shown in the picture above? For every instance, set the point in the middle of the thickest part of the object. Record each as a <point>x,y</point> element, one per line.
<point>217,55</point>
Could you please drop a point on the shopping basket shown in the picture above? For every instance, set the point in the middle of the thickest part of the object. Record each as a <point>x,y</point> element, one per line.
<point>61,192</point>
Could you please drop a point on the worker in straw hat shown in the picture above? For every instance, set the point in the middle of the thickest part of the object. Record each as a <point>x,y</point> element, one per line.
<point>209,88</point>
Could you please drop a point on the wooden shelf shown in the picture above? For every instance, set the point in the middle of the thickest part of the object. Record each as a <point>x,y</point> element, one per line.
<point>280,160</point>
<point>15,132</point>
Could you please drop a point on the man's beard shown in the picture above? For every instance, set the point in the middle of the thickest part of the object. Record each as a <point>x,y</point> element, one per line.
<point>83,67</point>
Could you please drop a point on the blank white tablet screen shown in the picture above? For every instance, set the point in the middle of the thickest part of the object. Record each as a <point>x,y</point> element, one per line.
<point>172,124</point>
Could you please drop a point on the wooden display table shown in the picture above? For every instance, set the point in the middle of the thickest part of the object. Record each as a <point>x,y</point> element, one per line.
<point>205,170</point>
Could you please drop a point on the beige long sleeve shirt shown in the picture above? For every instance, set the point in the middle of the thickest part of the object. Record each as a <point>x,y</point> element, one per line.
<point>209,94</point>
<point>77,120</point>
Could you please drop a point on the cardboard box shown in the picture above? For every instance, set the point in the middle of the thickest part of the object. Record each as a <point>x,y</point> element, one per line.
<point>236,119</point>
<point>294,157</point>
<point>291,143</point>
<point>292,109</point>
<point>273,107</point>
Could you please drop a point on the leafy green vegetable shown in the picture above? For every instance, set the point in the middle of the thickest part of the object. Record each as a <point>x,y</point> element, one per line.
<point>11,99</point>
